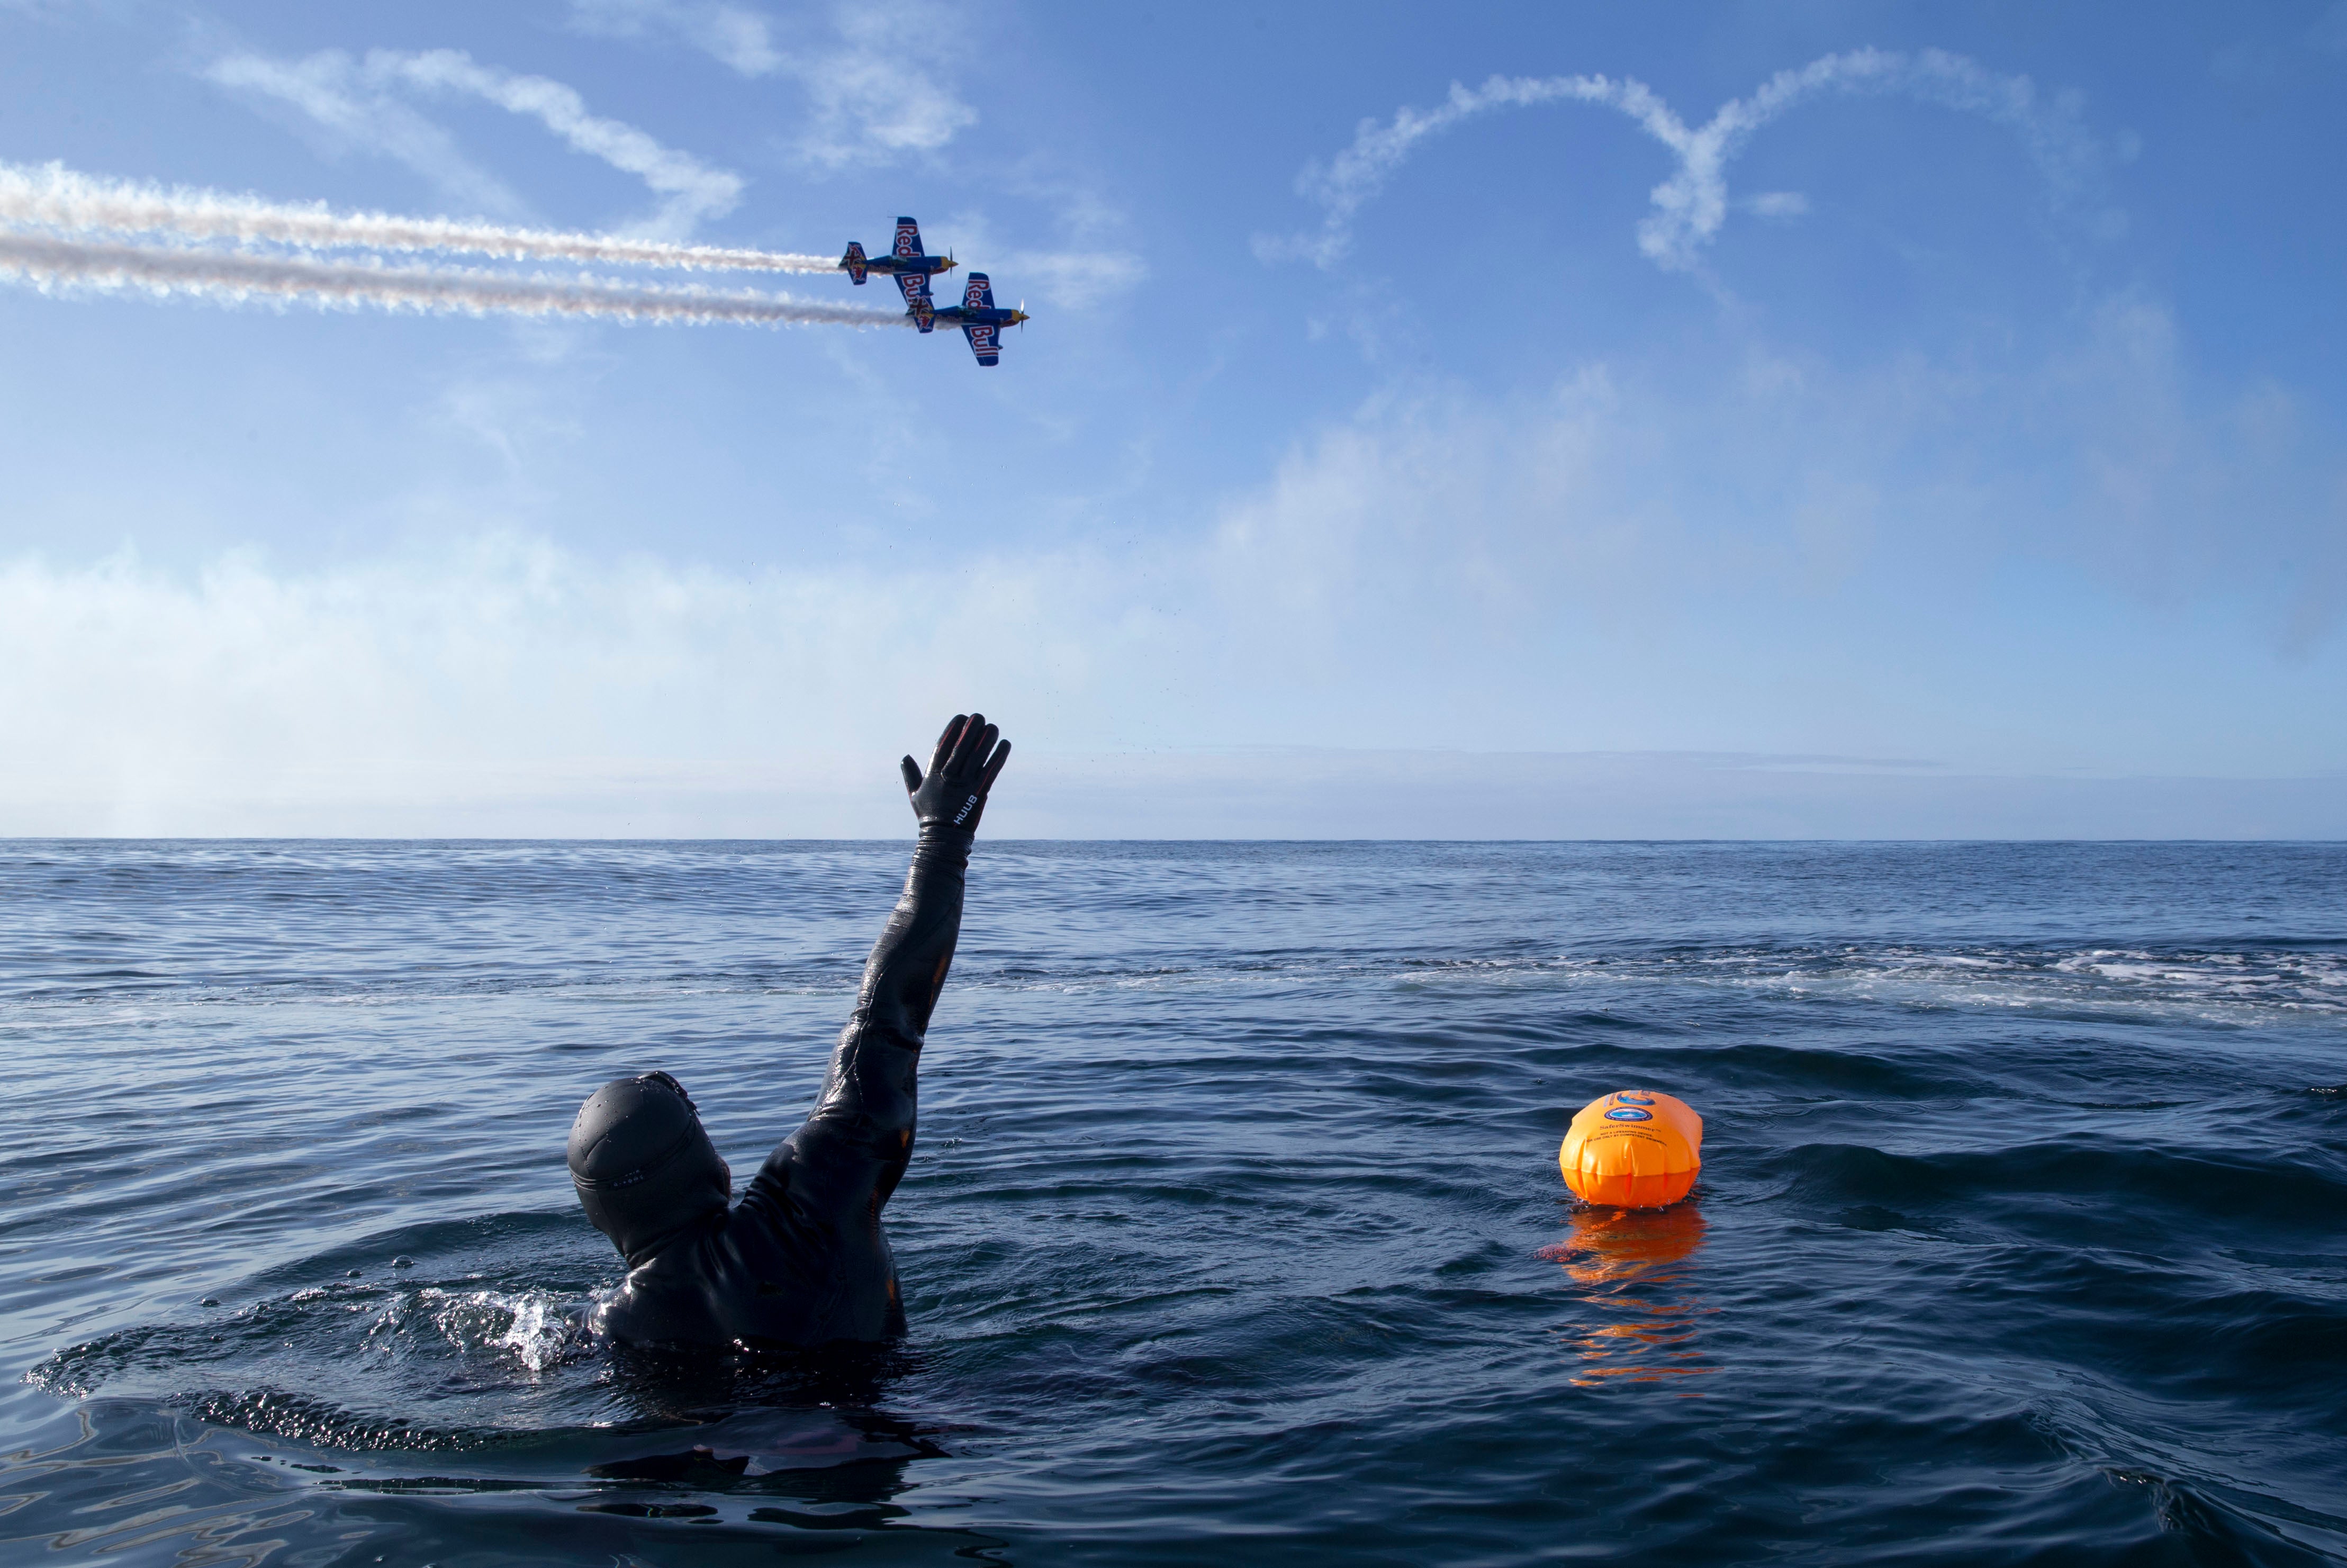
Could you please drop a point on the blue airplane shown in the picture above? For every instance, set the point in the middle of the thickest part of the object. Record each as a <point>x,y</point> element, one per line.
<point>908,265</point>
<point>977,316</point>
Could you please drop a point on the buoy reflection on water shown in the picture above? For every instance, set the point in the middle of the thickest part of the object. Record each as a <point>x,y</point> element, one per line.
<point>1632,1266</point>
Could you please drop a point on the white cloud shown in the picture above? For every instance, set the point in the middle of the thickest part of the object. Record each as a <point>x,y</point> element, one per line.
<point>509,688</point>
<point>1630,490</point>
<point>1690,206</point>
<point>1092,264</point>
<point>1776,204</point>
<point>1088,271</point>
<point>876,76</point>
<point>507,669</point>
<point>365,105</point>
<point>1078,280</point>
<point>876,92</point>
<point>734,36</point>
<point>1633,560</point>
<point>329,92</point>
<point>694,191</point>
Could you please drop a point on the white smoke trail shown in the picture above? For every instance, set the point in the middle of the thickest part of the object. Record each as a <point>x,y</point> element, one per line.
<point>56,197</point>
<point>47,261</point>
<point>1692,204</point>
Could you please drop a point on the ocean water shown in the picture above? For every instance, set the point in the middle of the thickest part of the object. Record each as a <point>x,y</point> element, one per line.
<point>1234,1233</point>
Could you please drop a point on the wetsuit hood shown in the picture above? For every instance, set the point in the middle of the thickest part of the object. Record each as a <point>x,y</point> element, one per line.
<point>645,1170</point>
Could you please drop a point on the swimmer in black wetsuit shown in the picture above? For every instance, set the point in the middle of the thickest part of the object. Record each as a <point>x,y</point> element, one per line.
<point>800,1260</point>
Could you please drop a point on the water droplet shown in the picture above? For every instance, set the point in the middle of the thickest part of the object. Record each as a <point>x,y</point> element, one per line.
<point>209,1301</point>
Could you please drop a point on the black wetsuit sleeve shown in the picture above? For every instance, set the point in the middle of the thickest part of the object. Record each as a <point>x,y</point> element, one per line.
<point>851,1152</point>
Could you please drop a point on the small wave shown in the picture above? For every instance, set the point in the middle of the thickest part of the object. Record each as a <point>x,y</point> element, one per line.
<point>2234,987</point>
<point>411,1366</point>
<point>2033,1186</point>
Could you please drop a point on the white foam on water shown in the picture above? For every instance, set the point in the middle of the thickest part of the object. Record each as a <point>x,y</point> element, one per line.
<point>2238,990</point>
<point>2233,988</point>
<point>537,1329</point>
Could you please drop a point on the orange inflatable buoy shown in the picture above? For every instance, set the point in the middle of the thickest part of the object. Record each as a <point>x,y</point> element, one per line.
<point>1638,1149</point>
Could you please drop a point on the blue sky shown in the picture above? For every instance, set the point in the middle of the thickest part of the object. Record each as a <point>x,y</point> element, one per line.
<point>1956,453</point>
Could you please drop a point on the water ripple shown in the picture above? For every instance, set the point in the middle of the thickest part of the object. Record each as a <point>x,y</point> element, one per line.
<point>1234,1229</point>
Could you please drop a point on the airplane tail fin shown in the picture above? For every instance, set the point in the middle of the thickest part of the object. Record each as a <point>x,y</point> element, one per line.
<point>853,262</point>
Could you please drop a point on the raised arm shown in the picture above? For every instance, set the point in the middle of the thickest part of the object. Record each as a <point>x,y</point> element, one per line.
<point>851,1152</point>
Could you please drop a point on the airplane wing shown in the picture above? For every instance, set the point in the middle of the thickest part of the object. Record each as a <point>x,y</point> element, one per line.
<point>908,236</point>
<point>985,343</point>
<point>917,302</point>
<point>979,294</point>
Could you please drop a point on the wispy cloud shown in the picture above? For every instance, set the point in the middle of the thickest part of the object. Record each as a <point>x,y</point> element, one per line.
<point>877,91</point>
<point>499,669</point>
<point>1776,204</point>
<point>330,94</point>
<point>1691,205</point>
<point>1634,490</point>
<point>694,191</point>
<point>1643,556</point>
<point>503,685</point>
<point>1078,280</point>
<point>1092,264</point>
<point>877,77</point>
<point>735,37</point>
<point>365,105</point>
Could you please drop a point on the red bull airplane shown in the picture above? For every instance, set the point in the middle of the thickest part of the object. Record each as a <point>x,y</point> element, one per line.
<point>906,263</point>
<point>977,316</point>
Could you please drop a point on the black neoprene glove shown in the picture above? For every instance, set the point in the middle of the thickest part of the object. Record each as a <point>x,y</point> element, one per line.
<point>952,797</point>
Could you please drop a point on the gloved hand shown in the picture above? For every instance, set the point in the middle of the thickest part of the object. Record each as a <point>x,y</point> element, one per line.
<point>952,797</point>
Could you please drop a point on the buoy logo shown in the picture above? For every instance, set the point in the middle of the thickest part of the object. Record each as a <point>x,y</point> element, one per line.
<point>1632,1149</point>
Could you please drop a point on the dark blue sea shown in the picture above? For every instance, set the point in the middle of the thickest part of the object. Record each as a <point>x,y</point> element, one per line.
<point>1234,1233</point>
